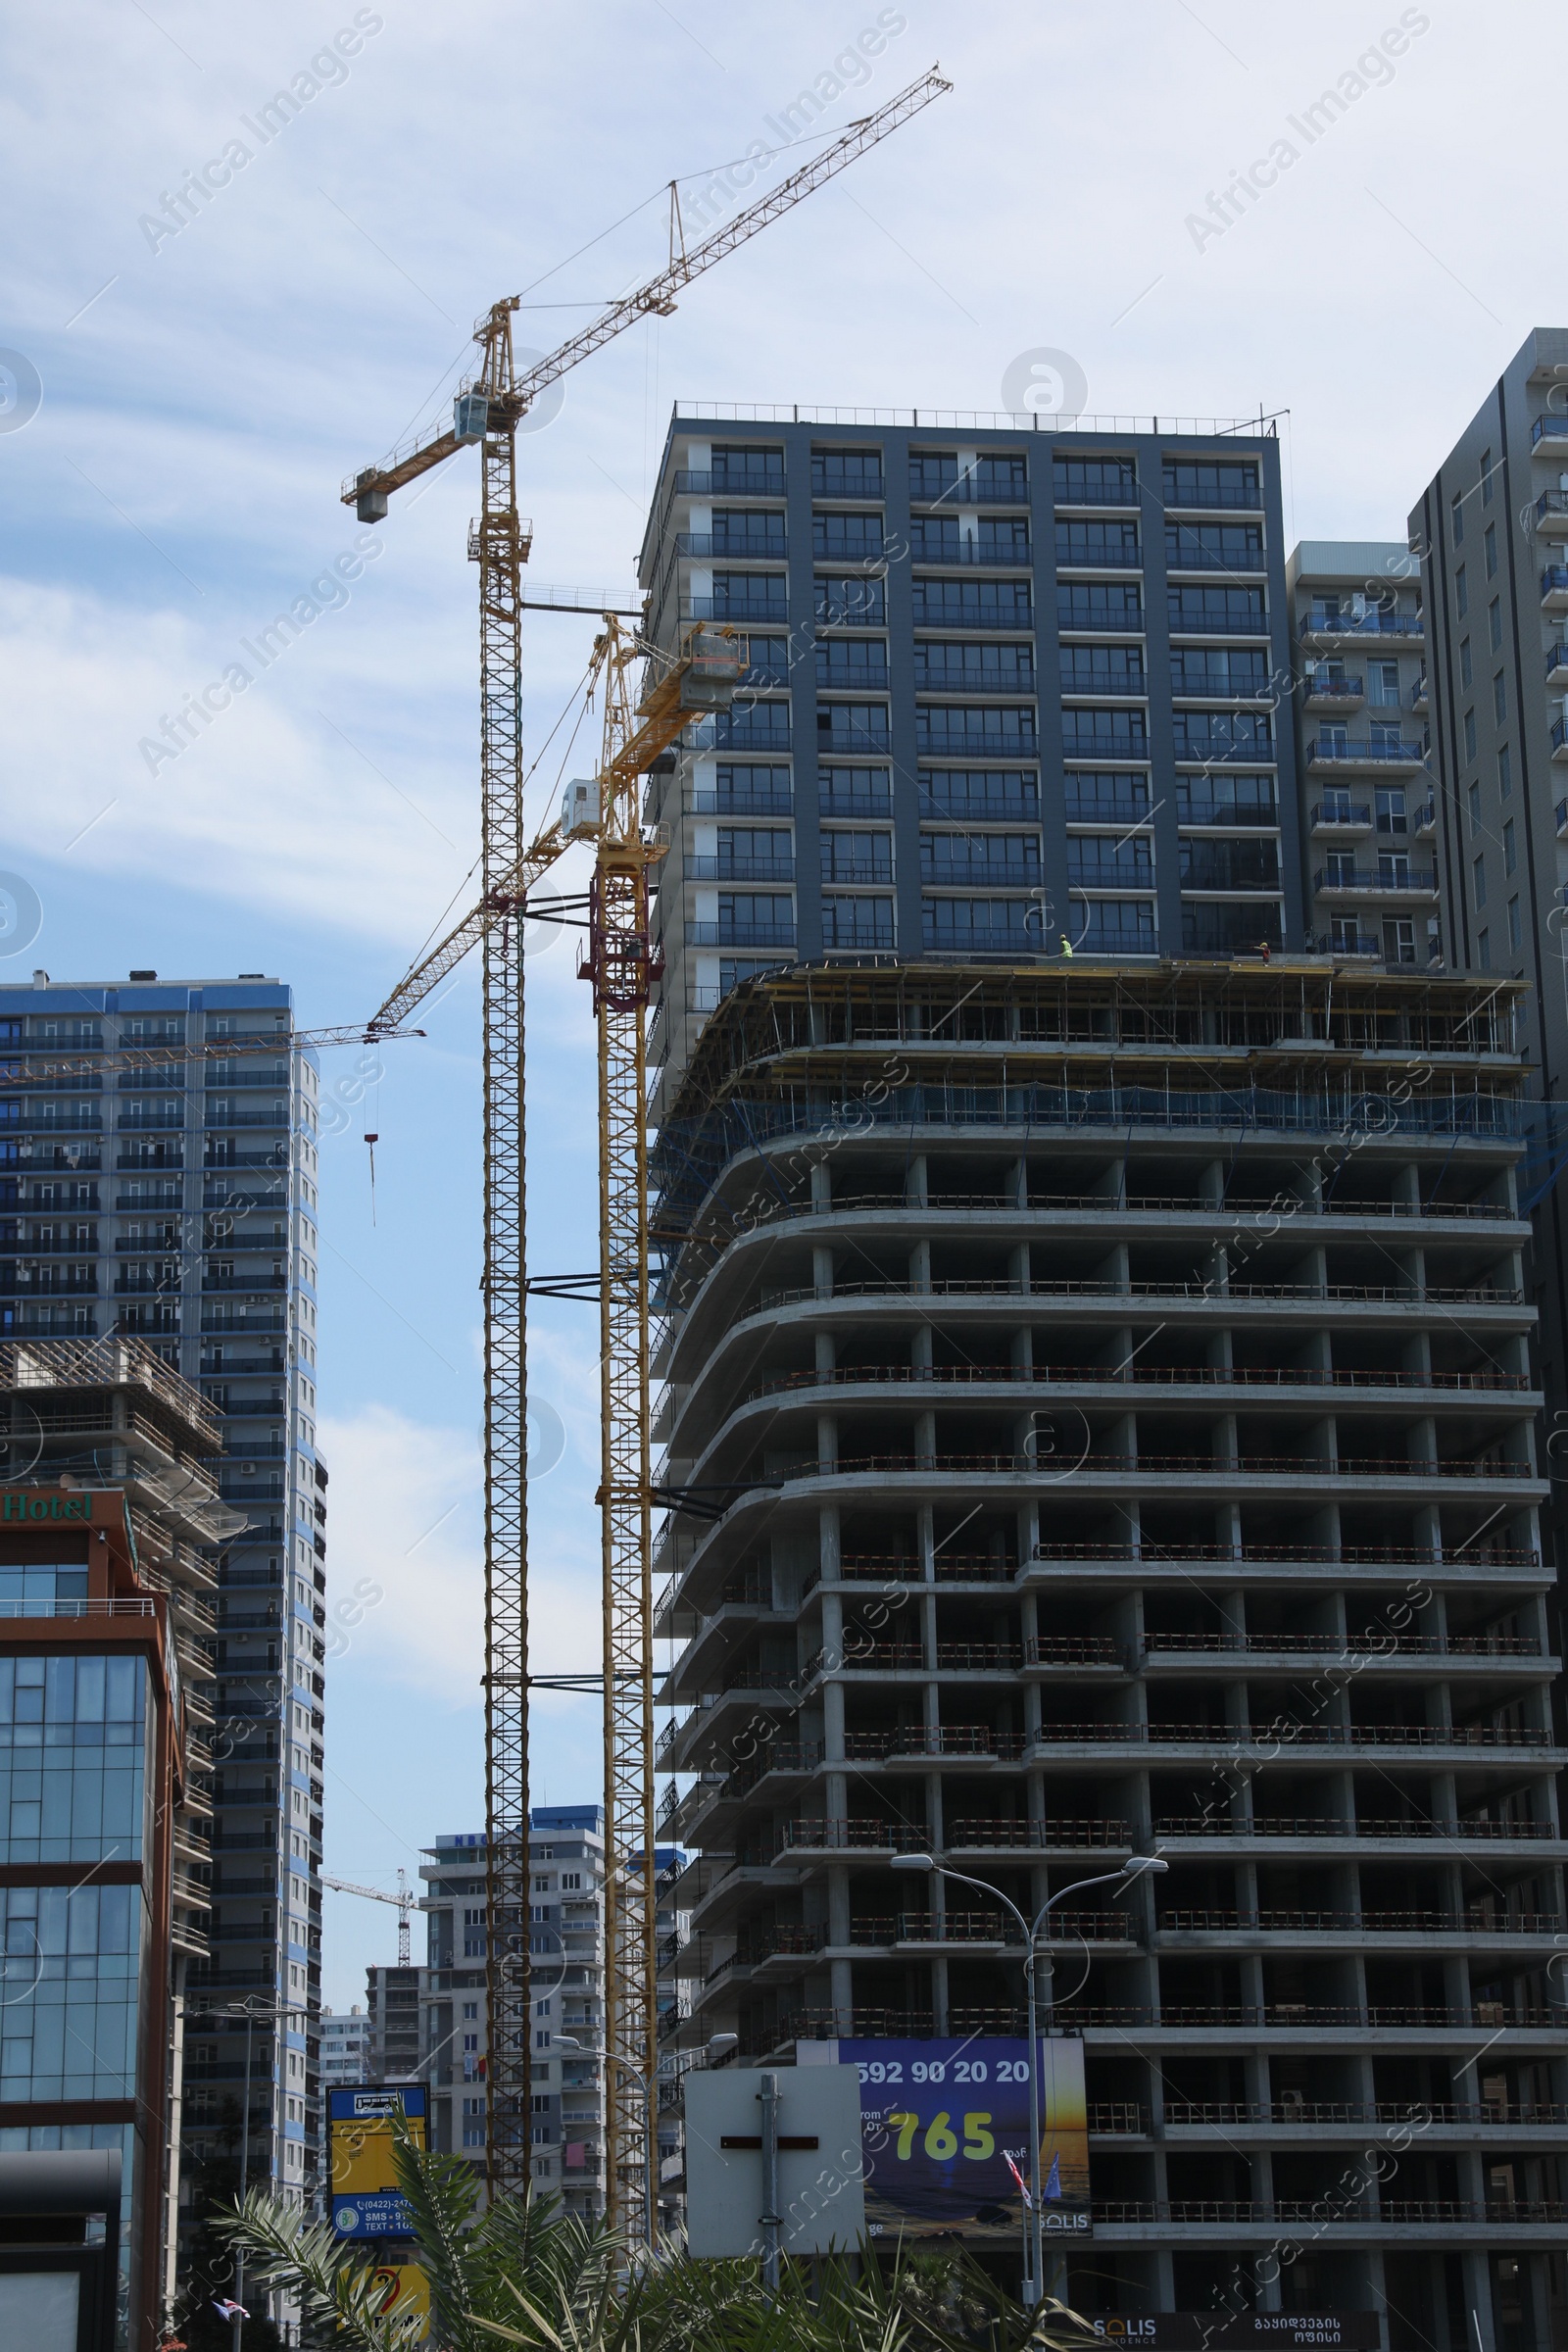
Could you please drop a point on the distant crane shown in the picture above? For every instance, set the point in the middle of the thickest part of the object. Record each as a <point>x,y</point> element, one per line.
<point>402,1903</point>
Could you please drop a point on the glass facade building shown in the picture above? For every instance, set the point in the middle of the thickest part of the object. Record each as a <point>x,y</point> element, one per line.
<point>172,1198</point>
<point>1013,693</point>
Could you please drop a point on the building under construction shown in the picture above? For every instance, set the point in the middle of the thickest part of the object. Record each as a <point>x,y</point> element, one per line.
<point>1100,1420</point>
<point>111,1520</point>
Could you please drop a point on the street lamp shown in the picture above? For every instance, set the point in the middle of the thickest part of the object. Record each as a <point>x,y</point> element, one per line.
<point>1037,1964</point>
<point>570,2041</point>
<point>254,2013</point>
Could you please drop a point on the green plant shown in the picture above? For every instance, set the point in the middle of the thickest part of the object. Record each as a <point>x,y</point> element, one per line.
<point>530,2274</point>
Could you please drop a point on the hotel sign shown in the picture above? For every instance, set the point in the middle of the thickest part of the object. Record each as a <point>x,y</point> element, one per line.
<point>40,1506</point>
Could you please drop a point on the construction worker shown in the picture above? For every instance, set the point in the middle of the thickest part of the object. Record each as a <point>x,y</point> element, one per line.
<point>1066,944</point>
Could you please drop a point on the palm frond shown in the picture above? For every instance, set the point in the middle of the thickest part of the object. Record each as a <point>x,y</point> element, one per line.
<point>334,2282</point>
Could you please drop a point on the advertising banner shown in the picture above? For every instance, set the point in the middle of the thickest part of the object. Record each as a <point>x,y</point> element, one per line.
<point>405,2290</point>
<point>367,2201</point>
<point>945,2129</point>
<point>1241,2331</point>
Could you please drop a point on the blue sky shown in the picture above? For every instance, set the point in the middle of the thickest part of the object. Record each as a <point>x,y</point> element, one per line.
<point>204,392</point>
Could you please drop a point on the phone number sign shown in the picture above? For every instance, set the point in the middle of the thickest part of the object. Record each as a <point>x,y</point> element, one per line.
<point>945,2124</point>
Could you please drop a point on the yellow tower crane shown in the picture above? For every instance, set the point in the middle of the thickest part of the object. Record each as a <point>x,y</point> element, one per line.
<point>487,411</point>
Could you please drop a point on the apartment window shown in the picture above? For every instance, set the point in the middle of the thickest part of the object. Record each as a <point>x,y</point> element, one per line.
<point>1494,623</point>
<point>1389,804</point>
<point>1486,477</point>
<point>1458,518</point>
<point>1383,685</point>
<point>1478,873</point>
<point>471,2009</point>
<point>1345,934</point>
<point>1491,545</point>
<point>1504,772</point>
<point>1461,593</point>
<point>1398,940</point>
<point>1466,666</point>
<point>1515,927</point>
<point>1510,853</point>
<point>1500,697</point>
<point>1469,734</point>
<point>1484,950</point>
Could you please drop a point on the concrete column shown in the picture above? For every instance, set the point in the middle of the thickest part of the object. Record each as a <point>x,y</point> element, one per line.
<point>822,1269</point>
<point>821,1185</point>
<point>1477,2269</point>
<point>826,1350</point>
<point>827,1439</point>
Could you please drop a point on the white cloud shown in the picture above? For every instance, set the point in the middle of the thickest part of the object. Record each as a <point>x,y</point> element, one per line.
<point>406,1602</point>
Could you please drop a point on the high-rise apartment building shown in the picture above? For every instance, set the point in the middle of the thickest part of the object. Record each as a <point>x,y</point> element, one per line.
<point>1012,693</point>
<point>566,1967</point>
<point>1104,1401</point>
<point>1364,743</point>
<point>109,1507</point>
<point>345,2060</point>
<point>1491,530</point>
<point>174,1199</point>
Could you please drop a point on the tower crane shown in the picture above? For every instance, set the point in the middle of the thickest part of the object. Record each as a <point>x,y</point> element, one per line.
<point>402,1903</point>
<point>486,412</point>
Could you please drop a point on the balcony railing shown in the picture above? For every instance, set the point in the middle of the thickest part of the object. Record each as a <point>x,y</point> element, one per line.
<point>1321,1825</point>
<point>1356,1923</point>
<point>1554,582</point>
<point>1548,428</point>
<point>1374,623</point>
<point>1418,881</point>
<point>1352,812</point>
<point>1095,494</point>
<point>740,935</point>
<point>1196,555</point>
<point>690,484</point>
<point>729,607</point>
<point>967,490</point>
<point>1327,750</point>
<point>741,869</point>
<point>974,552</point>
<point>1106,556</point>
<point>1193,497</point>
<point>981,876</point>
<point>770,547</point>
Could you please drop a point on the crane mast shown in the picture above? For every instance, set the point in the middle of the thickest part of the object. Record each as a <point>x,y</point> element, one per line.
<point>620,967</point>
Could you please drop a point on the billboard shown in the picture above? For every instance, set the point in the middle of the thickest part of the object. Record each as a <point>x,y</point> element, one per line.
<point>405,2289</point>
<point>944,2123</point>
<point>367,2201</point>
<point>1240,2332</point>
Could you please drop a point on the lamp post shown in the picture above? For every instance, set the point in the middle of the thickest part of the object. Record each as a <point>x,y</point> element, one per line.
<point>568,2041</point>
<point>254,2013</point>
<point>1037,1962</point>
